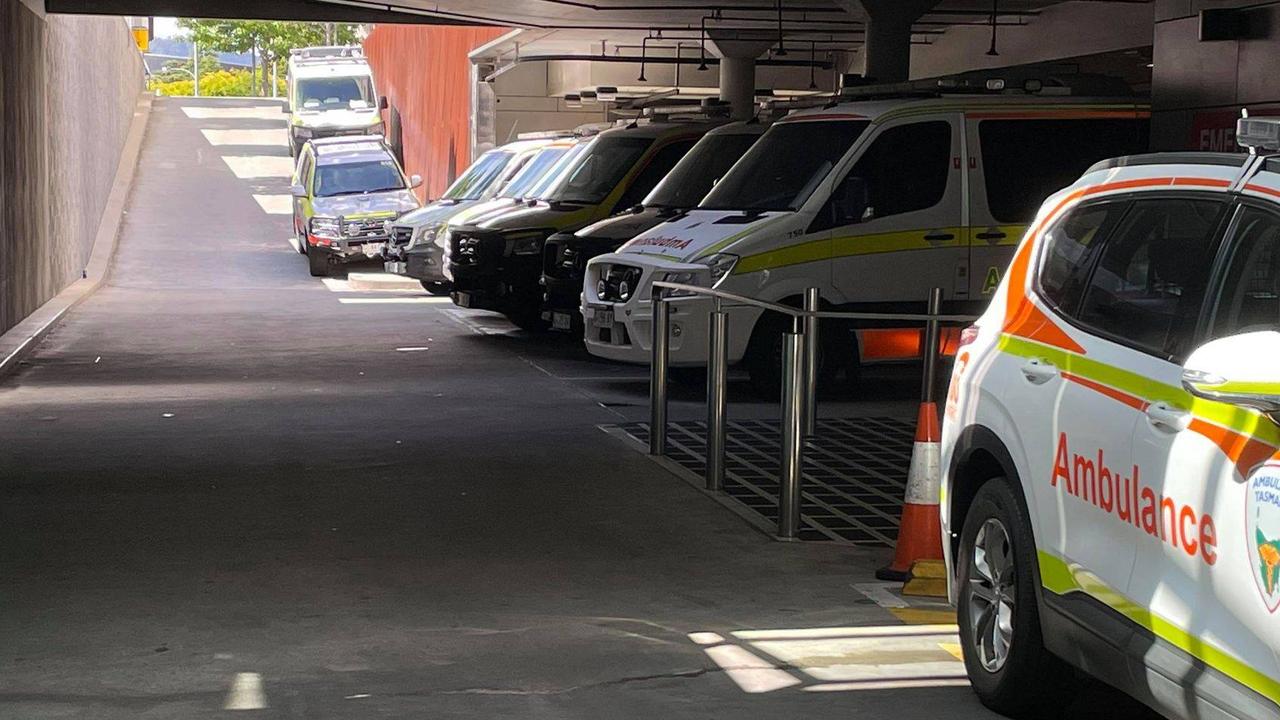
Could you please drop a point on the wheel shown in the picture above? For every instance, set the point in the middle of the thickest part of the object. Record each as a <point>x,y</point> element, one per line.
<point>435,288</point>
<point>837,349</point>
<point>1004,653</point>
<point>318,264</point>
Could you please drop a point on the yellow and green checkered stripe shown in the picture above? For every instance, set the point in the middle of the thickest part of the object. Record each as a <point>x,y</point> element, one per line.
<point>1061,578</point>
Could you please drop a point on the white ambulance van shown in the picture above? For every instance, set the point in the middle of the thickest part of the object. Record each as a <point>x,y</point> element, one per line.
<point>1111,452</point>
<point>874,202</point>
<point>330,92</point>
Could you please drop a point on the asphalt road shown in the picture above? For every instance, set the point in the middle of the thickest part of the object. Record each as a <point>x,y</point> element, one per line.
<point>220,484</point>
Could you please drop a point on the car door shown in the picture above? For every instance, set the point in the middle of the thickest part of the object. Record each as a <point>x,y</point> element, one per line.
<point>302,176</point>
<point>910,240</point>
<point>1205,577</point>
<point>1073,419</point>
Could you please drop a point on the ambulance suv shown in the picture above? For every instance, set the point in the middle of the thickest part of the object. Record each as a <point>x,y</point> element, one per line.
<point>873,202</point>
<point>330,92</point>
<point>1111,495</point>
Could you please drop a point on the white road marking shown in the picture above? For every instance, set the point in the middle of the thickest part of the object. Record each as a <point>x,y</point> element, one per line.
<point>259,166</point>
<point>889,685</point>
<point>395,301</point>
<point>879,593</point>
<point>841,632</point>
<point>269,137</point>
<point>706,638</point>
<point>275,204</point>
<point>344,285</point>
<point>751,673</point>
<point>246,693</point>
<point>890,655</point>
<point>253,112</point>
<point>412,349</point>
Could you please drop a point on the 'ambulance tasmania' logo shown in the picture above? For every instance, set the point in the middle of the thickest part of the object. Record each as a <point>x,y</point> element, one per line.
<point>1263,527</point>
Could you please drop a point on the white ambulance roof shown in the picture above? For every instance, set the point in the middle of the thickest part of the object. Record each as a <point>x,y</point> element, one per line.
<point>345,68</point>
<point>880,108</point>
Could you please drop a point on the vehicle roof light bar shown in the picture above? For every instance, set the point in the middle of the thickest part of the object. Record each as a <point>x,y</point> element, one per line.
<point>1258,134</point>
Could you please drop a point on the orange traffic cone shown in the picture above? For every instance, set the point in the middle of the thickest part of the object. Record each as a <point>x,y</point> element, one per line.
<point>920,531</point>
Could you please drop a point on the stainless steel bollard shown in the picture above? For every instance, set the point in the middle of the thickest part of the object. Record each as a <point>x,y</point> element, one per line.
<point>932,333</point>
<point>717,397</point>
<point>811,354</point>
<point>658,376</point>
<point>792,437</point>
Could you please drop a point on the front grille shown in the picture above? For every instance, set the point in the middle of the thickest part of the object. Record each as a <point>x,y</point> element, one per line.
<point>400,235</point>
<point>619,283</point>
<point>364,229</point>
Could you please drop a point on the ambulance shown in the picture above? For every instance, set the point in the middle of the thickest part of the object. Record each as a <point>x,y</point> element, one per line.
<point>873,202</point>
<point>330,92</point>
<point>411,248</point>
<point>1111,494</point>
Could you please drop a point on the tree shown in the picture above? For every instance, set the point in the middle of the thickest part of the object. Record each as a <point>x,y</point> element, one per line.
<point>271,40</point>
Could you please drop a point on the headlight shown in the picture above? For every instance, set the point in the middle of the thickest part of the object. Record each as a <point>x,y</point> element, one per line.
<point>325,227</point>
<point>720,264</point>
<point>525,244</point>
<point>302,131</point>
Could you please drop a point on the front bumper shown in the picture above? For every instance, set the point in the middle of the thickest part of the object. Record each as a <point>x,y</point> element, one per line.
<point>622,330</point>
<point>564,265</point>
<point>350,249</point>
<point>485,276</point>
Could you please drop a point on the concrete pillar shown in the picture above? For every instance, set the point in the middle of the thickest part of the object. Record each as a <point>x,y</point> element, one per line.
<point>738,86</point>
<point>887,54</point>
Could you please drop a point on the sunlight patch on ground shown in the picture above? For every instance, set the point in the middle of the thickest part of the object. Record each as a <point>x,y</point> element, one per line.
<point>253,112</point>
<point>275,204</point>
<point>838,658</point>
<point>269,137</point>
<point>259,166</point>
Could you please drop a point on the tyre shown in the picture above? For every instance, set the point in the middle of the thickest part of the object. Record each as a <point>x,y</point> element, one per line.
<point>435,288</point>
<point>838,349</point>
<point>318,264</point>
<point>1004,654</point>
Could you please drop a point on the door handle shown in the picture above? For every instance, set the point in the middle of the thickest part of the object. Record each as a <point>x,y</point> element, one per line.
<point>1039,371</point>
<point>939,236</point>
<point>991,235</point>
<point>1167,417</point>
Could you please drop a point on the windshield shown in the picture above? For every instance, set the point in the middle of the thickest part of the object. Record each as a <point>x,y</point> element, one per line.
<point>597,172</point>
<point>532,172</point>
<point>691,179</point>
<point>479,177</point>
<point>782,170</point>
<point>358,178</point>
<point>547,183</point>
<point>334,92</point>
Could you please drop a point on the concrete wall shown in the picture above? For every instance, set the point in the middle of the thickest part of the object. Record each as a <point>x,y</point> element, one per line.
<point>70,85</point>
<point>1198,88</point>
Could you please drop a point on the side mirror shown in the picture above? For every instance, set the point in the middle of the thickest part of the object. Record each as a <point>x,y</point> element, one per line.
<point>1239,370</point>
<point>298,190</point>
<point>415,181</point>
<point>382,103</point>
<point>853,202</point>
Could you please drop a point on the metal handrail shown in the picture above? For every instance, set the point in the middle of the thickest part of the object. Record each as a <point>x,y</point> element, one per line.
<point>799,378</point>
<point>801,312</point>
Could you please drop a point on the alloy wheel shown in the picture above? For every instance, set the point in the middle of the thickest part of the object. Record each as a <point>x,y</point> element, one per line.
<point>992,588</point>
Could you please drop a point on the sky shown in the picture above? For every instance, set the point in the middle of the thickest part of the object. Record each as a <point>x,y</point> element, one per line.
<point>167,27</point>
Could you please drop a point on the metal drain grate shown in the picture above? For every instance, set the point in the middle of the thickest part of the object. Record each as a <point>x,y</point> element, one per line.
<point>855,472</point>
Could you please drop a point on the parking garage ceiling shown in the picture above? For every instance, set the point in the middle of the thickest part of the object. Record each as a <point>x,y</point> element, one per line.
<point>568,26</point>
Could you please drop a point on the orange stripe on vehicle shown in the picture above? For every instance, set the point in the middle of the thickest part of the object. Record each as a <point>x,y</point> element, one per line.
<point>1202,182</point>
<point>1245,451</point>
<point>1263,189</point>
<point>902,343</point>
<point>1119,396</point>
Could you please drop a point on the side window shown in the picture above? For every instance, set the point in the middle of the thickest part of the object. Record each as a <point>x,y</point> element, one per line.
<point>906,168</point>
<point>1150,279</point>
<point>1025,161</point>
<point>304,170</point>
<point>652,174</point>
<point>1250,296</point>
<point>1069,249</point>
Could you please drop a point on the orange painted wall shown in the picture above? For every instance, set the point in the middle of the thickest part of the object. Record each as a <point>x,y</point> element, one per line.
<point>424,72</point>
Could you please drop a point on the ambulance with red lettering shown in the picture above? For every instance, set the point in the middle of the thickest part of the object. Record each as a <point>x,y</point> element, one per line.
<point>1111,493</point>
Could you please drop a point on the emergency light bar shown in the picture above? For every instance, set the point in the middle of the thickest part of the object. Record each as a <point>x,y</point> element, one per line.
<point>1258,134</point>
